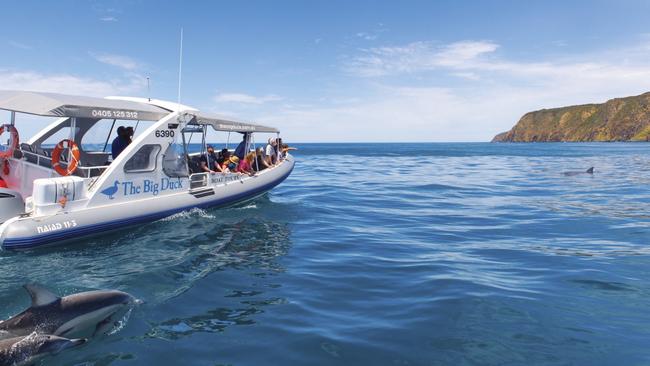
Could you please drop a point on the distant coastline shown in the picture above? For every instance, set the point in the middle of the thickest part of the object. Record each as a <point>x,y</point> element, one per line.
<point>619,119</point>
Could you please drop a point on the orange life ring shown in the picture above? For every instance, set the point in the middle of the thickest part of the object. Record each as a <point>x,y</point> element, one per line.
<point>14,141</point>
<point>56,157</point>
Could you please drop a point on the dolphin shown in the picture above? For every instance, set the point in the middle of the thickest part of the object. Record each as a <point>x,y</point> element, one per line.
<point>572,173</point>
<point>77,315</point>
<point>28,349</point>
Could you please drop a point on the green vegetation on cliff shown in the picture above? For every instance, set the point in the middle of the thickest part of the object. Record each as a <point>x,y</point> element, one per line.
<point>620,119</point>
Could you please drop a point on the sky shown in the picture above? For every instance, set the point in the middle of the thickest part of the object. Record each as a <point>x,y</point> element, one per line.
<point>336,71</point>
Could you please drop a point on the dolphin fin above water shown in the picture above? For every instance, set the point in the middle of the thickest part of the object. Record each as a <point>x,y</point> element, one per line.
<point>40,295</point>
<point>572,173</point>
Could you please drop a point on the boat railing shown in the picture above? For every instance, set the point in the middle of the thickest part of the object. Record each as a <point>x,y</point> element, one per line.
<point>46,162</point>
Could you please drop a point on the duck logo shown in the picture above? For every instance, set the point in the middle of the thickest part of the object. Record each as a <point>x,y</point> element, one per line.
<point>110,191</point>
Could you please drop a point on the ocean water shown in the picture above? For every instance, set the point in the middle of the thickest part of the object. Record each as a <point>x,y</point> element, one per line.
<point>384,254</point>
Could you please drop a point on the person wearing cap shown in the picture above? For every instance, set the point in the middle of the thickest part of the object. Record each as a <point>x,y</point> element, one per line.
<point>271,153</point>
<point>208,161</point>
<point>120,143</point>
<point>231,165</point>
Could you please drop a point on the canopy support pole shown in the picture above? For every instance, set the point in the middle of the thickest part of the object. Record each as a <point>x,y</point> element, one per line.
<point>73,130</point>
<point>257,166</point>
<point>109,136</point>
<point>204,149</point>
<point>13,118</point>
<point>278,147</point>
<point>185,152</point>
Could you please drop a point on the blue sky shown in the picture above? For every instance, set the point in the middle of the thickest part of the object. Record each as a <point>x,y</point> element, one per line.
<point>338,70</point>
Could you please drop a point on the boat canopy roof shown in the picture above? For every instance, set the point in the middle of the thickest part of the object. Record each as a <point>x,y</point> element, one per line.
<point>220,123</point>
<point>62,105</point>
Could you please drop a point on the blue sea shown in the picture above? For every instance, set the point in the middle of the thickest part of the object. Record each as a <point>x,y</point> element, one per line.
<point>384,254</point>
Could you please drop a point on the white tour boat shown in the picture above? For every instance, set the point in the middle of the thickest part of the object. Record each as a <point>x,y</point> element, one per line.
<point>74,189</point>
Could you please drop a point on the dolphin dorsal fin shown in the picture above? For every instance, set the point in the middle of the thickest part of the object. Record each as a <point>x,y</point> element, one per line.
<point>590,170</point>
<point>40,295</point>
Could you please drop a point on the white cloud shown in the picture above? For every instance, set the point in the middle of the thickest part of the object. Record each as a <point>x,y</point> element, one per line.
<point>123,62</point>
<point>367,36</point>
<point>20,45</point>
<point>467,75</point>
<point>108,19</point>
<point>399,114</point>
<point>560,43</point>
<point>69,84</point>
<point>476,60</point>
<point>417,57</point>
<point>241,98</point>
<point>402,114</point>
<point>460,54</point>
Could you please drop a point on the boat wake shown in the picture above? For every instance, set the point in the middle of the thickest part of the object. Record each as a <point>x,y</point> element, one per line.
<point>194,212</point>
<point>246,207</point>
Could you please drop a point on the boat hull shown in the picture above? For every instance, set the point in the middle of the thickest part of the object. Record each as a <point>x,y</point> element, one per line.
<point>29,232</point>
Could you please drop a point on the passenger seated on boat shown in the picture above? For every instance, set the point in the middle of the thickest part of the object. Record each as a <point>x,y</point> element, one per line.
<point>120,142</point>
<point>278,149</point>
<point>208,162</point>
<point>240,151</point>
<point>271,155</point>
<point>260,161</point>
<point>224,155</point>
<point>230,165</point>
<point>245,165</point>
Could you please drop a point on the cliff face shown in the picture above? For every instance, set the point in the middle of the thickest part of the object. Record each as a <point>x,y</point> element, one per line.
<point>620,119</point>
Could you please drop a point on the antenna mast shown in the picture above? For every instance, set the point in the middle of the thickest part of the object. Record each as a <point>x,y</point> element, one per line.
<point>180,70</point>
<point>148,90</point>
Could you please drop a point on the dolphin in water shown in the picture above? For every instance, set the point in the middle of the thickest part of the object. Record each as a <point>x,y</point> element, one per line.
<point>77,315</point>
<point>572,173</point>
<point>25,350</point>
